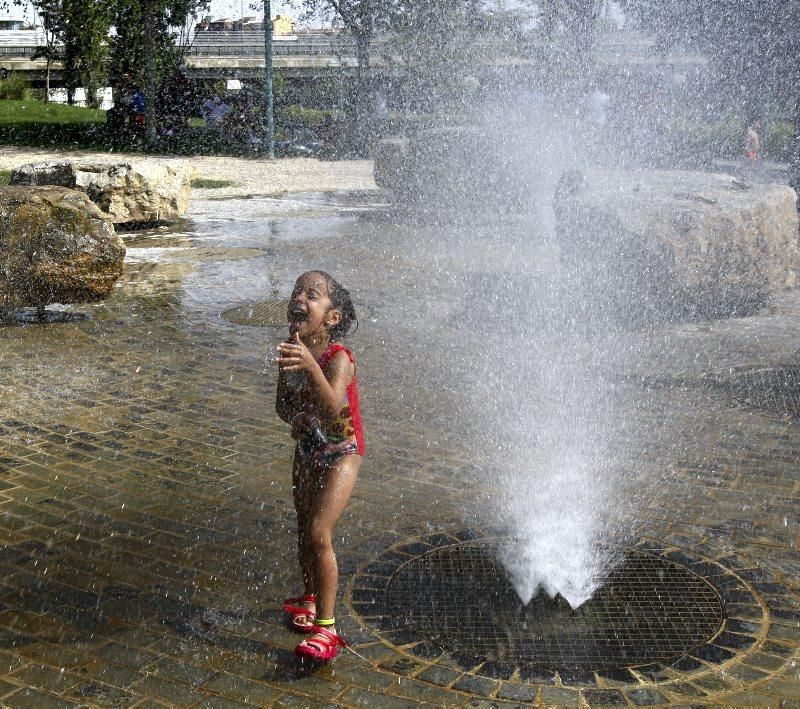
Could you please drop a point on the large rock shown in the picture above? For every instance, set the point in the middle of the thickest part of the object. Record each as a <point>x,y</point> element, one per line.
<point>678,240</point>
<point>142,191</point>
<point>56,246</point>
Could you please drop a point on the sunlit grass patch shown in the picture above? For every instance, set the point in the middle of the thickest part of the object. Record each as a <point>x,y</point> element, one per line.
<point>33,111</point>
<point>207,183</point>
<point>5,177</point>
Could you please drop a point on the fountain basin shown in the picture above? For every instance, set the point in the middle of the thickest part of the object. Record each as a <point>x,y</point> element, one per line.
<point>660,607</point>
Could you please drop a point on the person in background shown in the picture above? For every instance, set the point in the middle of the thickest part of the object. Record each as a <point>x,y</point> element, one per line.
<point>752,143</point>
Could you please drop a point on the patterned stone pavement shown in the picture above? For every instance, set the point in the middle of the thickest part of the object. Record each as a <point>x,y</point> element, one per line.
<point>145,519</point>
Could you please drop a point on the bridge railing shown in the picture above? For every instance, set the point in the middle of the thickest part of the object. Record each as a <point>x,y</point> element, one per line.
<point>17,51</point>
<point>239,45</point>
<point>276,51</point>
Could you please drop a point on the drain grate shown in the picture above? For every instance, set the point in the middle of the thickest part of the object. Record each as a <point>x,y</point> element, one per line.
<point>775,390</point>
<point>649,609</point>
<point>267,313</point>
<point>446,596</point>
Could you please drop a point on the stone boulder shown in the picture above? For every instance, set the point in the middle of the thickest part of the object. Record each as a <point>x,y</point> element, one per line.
<point>142,191</point>
<point>56,246</point>
<point>677,241</point>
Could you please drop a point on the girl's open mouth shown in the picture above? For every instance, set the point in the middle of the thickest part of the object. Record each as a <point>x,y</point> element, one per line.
<point>297,316</point>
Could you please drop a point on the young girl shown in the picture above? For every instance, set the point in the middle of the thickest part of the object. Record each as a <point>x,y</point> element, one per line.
<point>317,395</point>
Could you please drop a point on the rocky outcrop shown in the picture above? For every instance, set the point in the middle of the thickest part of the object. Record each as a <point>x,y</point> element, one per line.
<point>56,246</point>
<point>678,240</point>
<point>141,191</point>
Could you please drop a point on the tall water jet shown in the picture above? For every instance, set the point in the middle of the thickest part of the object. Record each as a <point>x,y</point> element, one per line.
<point>537,348</point>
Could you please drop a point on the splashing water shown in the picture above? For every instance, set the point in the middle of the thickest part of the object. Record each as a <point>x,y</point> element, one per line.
<point>541,402</point>
<point>554,526</point>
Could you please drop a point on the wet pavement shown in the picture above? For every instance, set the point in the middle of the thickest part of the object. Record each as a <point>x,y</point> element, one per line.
<point>145,506</point>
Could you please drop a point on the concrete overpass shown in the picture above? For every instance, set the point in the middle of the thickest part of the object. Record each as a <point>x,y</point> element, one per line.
<point>239,54</point>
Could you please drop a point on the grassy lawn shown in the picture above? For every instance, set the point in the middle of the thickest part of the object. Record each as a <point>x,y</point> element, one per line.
<point>205,182</point>
<point>31,111</point>
<point>52,125</point>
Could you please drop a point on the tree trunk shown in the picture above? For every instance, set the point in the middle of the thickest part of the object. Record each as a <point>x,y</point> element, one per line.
<point>148,21</point>
<point>91,90</point>
<point>362,56</point>
<point>47,81</point>
<point>584,30</point>
<point>794,152</point>
<point>362,105</point>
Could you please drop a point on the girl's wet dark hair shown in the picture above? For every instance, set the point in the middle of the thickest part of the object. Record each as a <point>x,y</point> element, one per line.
<point>341,301</point>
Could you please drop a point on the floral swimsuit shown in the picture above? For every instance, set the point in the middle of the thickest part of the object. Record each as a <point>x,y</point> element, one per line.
<point>336,437</point>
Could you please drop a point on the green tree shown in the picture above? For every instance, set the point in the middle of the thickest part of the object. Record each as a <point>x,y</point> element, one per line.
<point>567,32</point>
<point>145,47</point>
<point>441,45</point>
<point>362,19</point>
<point>76,32</point>
<point>51,15</point>
<point>85,35</point>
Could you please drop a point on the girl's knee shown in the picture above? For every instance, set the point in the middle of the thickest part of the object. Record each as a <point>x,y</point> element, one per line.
<point>320,536</point>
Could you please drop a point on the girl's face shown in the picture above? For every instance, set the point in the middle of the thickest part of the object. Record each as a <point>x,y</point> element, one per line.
<point>310,310</point>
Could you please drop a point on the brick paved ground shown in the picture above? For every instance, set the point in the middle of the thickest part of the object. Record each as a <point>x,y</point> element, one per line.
<point>146,529</point>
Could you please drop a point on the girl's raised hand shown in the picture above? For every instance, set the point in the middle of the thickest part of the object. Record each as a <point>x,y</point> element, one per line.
<point>295,356</point>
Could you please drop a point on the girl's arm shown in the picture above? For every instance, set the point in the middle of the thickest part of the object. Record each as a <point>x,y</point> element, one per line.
<point>328,388</point>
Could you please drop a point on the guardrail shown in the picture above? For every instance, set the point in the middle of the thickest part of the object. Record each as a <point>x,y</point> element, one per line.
<point>250,43</point>
<point>293,49</point>
<point>17,51</point>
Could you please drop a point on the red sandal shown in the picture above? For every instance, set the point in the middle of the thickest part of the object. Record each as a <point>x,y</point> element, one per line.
<point>320,649</point>
<point>296,611</point>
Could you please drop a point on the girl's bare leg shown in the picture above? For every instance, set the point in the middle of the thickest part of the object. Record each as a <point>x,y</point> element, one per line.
<point>303,492</point>
<point>329,504</point>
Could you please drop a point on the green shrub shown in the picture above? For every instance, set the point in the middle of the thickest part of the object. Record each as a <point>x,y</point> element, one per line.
<point>301,117</point>
<point>54,135</point>
<point>778,140</point>
<point>14,87</point>
<point>209,183</point>
<point>697,141</point>
<point>726,139</point>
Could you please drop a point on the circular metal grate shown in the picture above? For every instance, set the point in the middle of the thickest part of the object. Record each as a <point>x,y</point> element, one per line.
<point>267,313</point>
<point>775,390</point>
<point>459,597</point>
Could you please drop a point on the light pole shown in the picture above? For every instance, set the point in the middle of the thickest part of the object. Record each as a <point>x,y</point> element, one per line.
<point>268,108</point>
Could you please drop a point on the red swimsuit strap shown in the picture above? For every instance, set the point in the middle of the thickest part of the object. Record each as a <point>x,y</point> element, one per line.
<point>333,348</point>
<point>352,391</point>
